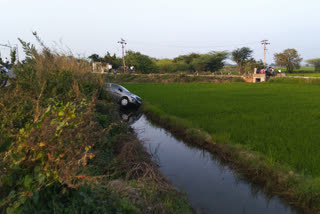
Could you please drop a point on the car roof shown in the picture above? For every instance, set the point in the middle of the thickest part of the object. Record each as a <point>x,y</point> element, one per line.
<point>110,84</point>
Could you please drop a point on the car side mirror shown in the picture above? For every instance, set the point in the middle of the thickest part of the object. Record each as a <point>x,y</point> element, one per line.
<point>120,89</point>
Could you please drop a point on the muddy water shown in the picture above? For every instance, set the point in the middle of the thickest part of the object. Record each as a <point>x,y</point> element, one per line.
<point>210,186</point>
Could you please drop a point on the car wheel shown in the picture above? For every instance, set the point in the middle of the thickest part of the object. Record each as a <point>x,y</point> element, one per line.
<point>124,102</point>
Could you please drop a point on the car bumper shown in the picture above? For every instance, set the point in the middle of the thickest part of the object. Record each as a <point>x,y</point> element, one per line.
<point>135,101</point>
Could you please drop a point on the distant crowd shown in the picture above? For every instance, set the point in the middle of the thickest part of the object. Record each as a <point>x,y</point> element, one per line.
<point>268,71</point>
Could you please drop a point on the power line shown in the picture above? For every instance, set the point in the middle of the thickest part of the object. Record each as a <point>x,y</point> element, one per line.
<point>8,46</point>
<point>193,47</point>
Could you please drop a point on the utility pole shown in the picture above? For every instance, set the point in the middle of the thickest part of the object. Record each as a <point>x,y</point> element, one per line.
<point>17,53</point>
<point>123,43</point>
<point>265,43</point>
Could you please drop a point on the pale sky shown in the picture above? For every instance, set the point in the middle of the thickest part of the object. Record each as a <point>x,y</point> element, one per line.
<point>166,28</point>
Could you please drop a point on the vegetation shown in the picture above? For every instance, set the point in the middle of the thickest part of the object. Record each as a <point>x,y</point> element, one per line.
<point>212,61</point>
<point>267,123</point>
<point>112,60</point>
<point>300,70</point>
<point>13,55</point>
<point>240,56</point>
<point>279,121</point>
<point>142,63</point>
<point>315,63</point>
<point>170,78</point>
<point>63,149</point>
<point>289,58</point>
<point>304,74</point>
<point>171,66</point>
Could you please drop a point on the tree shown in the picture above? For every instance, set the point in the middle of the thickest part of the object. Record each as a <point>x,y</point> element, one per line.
<point>212,61</point>
<point>13,55</point>
<point>184,62</point>
<point>251,64</point>
<point>112,60</point>
<point>315,63</point>
<point>94,57</point>
<point>186,58</point>
<point>240,56</point>
<point>166,65</point>
<point>289,58</point>
<point>142,63</point>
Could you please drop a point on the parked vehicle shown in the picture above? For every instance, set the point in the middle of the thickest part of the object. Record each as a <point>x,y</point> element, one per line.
<point>122,96</point>
<point>3,76</point>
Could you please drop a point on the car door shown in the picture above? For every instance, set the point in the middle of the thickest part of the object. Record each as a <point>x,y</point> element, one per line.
<point>117,92</point>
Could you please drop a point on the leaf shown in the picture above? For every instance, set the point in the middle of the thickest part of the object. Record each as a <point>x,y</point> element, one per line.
<point>61,125</point>
<point>48,109</point>
<point>27,181</point>
<point>41,179</point>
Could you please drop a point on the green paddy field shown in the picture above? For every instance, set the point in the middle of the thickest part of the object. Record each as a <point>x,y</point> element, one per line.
<point>279,120</point>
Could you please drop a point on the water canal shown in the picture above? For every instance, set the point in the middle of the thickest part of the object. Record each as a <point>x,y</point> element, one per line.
<point>211,187</point>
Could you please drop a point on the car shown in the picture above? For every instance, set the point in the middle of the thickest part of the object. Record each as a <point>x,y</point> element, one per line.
<point>122,95</point>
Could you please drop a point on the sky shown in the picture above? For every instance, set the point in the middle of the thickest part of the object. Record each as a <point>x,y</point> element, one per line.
<point>164,29</point>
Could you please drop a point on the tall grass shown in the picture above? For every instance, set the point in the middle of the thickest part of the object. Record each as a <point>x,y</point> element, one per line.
<point>61,145</point>
<point>278,120</point>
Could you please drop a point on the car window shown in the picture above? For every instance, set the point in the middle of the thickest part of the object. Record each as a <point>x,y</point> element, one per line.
<point>114,87</point>
<point>123,89</point>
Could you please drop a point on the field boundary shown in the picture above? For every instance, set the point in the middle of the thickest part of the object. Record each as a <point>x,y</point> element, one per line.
<point>274,180</point>
<point>297,77</point>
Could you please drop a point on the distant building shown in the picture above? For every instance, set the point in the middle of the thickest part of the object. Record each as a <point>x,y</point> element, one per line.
<point>98,67</point>
<point>259,78</point>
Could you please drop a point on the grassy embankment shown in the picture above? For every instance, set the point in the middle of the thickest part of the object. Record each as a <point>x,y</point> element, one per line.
<point>277,123</point>
<point>63,149</point>
<point>304,74</point>
<point>304,71</point>
<point>170,78</point>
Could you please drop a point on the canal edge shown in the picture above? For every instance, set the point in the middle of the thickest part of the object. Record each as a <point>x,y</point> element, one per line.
<point>275,180</point>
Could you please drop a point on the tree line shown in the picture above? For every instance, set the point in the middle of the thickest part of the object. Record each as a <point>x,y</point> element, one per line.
<point>195,62</point>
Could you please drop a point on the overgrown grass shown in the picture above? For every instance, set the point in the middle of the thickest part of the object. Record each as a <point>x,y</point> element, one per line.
<point>62,145</point>
<point>278,120</point>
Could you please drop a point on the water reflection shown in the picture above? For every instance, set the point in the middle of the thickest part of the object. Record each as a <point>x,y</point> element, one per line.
<point>129,115</point>
<point>211,186</point>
